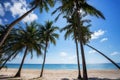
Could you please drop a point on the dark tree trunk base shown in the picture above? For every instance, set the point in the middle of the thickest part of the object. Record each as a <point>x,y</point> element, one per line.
<point>41,75</point>
<point>17,75</point>
<point>79,77</point>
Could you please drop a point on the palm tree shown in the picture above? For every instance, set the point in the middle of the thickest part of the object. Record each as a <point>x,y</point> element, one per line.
<point>6,59</point>
<point>104,56</point>
<point>5,50</point>
<point>71,30</point>
<point>41,4</point>
<point>2,59</point>
<point>80,36</point>
<point>48,34</point>
<point>86,38</point>
<point>27,39</point>
<point>68,7</point>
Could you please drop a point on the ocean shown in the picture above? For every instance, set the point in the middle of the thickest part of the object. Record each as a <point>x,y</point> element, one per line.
<point>105,66</point>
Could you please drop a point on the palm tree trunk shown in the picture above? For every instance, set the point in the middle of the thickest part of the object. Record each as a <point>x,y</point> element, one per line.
<point>19,71</point>
<point>44,59</point>
<point>104,56</point>
<point>9,28</point>
<point>7,60</point>
<point>77,52</point>
<point>85,76</point>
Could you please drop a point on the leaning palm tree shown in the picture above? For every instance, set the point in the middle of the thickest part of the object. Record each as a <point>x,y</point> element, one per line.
<point>104,56</point>
<point>27,39</point>
<point>41,4</point>
<point>48,35</point>
<point>86,38</point>
<point>68,7</point>
<point>2,59</point>
<point>6,59</point>
<point>5,49</point>
<point>2,30</point>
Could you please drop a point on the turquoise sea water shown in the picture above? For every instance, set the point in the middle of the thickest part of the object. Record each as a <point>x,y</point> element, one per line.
<point>64,66</point>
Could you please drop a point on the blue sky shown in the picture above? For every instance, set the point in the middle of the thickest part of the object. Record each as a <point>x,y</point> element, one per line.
<point>105,38</point>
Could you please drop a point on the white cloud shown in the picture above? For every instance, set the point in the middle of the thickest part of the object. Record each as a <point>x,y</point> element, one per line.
<point>97,34</point>
<point>20,1</point>
<point>92,51</point>
<point>2,12</point>
<point>63,54</point>
<point>31,17</point>
<point>114,53</point>
<point>7,5</point>
<point>20,7</point>
<point>104,39</point>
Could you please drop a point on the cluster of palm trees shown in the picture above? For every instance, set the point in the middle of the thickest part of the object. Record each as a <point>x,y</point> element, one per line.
<point>33,37</point>
<point>36,37</point>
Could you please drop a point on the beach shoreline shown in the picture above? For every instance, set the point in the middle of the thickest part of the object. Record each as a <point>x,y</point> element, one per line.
<point>33,74</point>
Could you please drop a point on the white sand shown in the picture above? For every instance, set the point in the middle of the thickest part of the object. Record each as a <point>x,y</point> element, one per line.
<point>28,74</point>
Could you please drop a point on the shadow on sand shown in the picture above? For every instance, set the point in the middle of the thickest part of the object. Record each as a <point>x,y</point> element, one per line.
<point>95,78</point>
<point>5,77</point>
<point>37,78</point>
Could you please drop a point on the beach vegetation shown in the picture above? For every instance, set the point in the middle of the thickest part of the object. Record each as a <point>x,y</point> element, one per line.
<point>27,39</point>
<point>68,8</point>
<point>41,4</point>
<point>48,35</point>
<point>33,37</point>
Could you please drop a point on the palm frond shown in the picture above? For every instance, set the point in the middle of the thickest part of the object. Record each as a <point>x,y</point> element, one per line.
<point>91,10</point>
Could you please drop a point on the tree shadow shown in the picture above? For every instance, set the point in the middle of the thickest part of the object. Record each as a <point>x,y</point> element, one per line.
<point>39,78</point>
<point>6,77</point>
<point>92,78</point>
<point>95,78</point>
<point>64,79</point>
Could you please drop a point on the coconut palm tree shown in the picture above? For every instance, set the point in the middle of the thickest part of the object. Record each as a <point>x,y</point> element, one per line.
<point>48,35</point>
<point>6,49</point>
<point>4,61</point>
<point>41,4</point>
<point>86,39</point>
<point>27,39</point>
<point>68,7</point>
<point>2,30</point>
<point>8,53</point>
<point>104,56</point>
<point>1,60</point>
<point>71,29</point>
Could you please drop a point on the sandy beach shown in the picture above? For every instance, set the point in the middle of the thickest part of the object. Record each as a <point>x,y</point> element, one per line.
<point>28,74</point>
